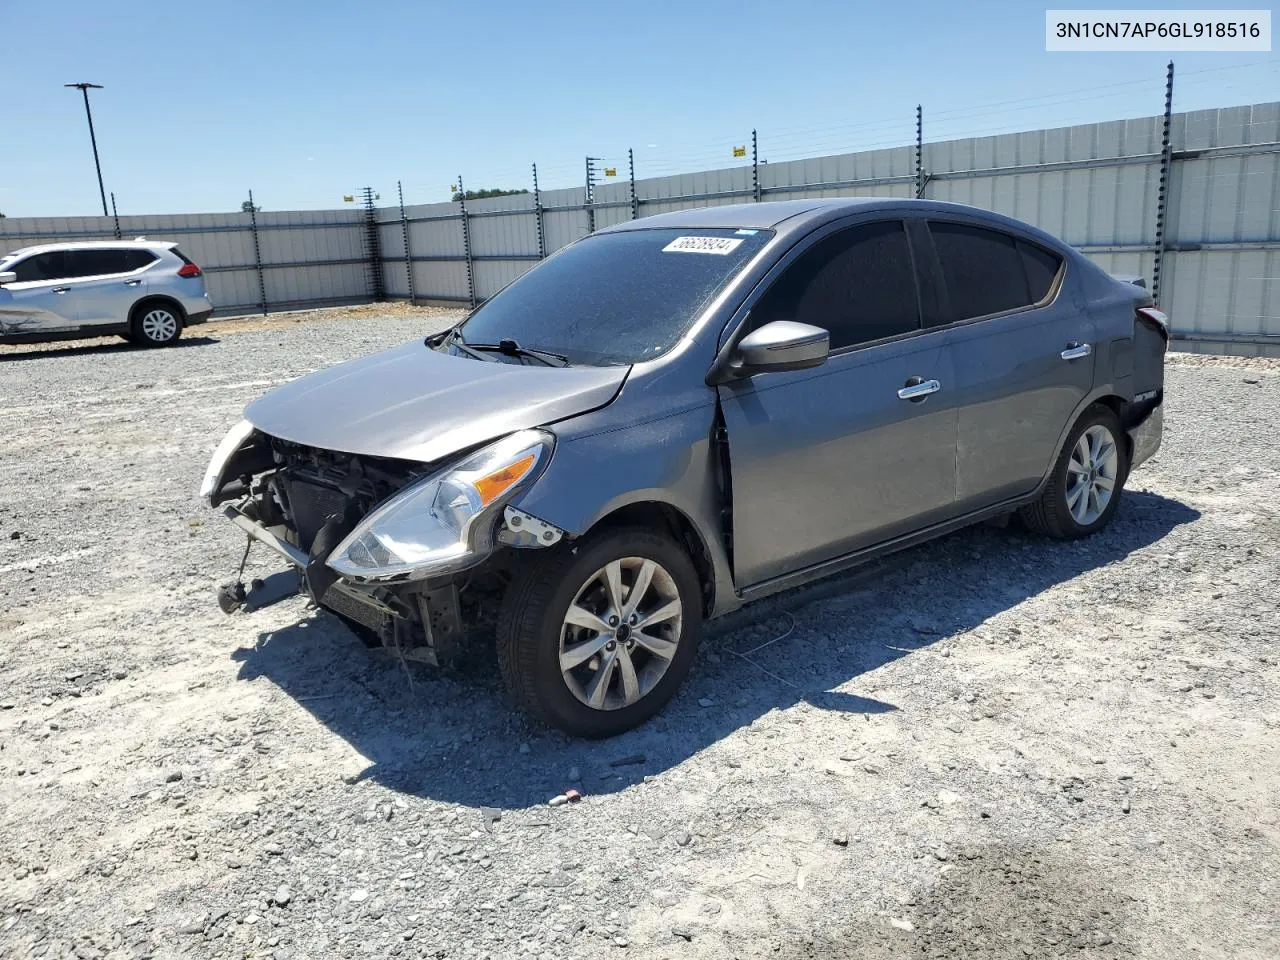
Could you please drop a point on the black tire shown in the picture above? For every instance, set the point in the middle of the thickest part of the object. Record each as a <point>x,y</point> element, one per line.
<point>1050,514</point>
<point>533,617</point>
<point>148,326</point>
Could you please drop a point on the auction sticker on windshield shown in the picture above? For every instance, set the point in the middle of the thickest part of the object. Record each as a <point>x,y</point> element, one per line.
<point>717,245</point>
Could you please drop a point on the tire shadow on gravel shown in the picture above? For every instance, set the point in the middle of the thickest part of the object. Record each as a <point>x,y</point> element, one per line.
<point>77,348</point>
<point>457,739</point>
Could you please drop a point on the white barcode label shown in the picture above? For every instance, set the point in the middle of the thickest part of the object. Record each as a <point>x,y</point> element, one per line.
<point>720,246</point>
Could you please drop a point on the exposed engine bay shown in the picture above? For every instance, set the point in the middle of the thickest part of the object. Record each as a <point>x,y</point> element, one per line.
<point>303,501</point>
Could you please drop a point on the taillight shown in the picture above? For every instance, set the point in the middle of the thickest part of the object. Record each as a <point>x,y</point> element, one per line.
<point>1158,317</point>
<point>188,270</point>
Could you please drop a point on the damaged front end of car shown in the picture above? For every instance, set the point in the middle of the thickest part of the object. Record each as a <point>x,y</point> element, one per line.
<point>413,556</point>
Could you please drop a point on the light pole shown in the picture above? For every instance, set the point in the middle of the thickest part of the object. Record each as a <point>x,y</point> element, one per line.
<point>84,88</point>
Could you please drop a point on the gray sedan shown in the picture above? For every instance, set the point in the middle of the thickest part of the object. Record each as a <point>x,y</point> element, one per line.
<point>683,413</point>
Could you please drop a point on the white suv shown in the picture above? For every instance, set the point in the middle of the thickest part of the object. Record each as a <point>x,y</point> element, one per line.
<point>146,291</point>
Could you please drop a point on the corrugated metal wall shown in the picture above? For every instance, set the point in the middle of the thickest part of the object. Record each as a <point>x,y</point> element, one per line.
<point>307,257</point>
<point>1224,273</point>
<point>1096,186</point>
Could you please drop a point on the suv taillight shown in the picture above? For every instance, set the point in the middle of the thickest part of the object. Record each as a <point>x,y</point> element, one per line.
<point>188,270</point>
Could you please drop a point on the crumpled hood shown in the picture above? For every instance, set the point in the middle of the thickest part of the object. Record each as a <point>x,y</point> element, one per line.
<point>413,403</point>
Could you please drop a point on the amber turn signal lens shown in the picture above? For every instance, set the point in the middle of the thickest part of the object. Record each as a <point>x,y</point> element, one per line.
<point>495,484</point>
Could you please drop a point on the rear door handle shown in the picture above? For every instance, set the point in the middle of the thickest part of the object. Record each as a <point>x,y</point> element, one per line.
<point>61,289</point>
<point>132,283</point>
<point>918,389</point>
<point>1076,351</point>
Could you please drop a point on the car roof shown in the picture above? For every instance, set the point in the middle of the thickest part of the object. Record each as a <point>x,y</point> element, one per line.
<point>800,216</point>
<point>93,245</point>
<point>747,215</point>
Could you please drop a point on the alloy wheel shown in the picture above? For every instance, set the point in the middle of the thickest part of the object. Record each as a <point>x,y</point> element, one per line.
<point>620,633</point>
<point>1092,473</point>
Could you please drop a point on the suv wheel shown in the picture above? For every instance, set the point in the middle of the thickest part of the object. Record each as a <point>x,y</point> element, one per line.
<point>1084,491</point>
<point>596,637</point>
<point>155,325</point>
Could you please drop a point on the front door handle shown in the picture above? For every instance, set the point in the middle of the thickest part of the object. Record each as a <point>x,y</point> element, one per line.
<point>61,289</point>
<point>917,389</point>
<point>132,283</point>
<point>1076,351</point>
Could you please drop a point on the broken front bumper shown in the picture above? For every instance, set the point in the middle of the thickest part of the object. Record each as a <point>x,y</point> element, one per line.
<point>1145,437</point>
<point>358,603</point>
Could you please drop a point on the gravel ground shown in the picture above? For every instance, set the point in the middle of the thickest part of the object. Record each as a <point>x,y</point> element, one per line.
<point>995,746</point>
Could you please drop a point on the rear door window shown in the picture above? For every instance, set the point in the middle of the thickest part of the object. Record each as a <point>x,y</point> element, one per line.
<point>981,269</point>
<point>987,272</point>
<point>1042,269</point>
<point>104,262</point>
<point>858,285</point>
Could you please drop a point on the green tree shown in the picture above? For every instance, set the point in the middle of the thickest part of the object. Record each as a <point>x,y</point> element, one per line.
<point>483,194</point>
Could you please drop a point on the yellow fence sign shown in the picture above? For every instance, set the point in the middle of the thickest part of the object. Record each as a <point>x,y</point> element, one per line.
<point>610,171</point>
<point>740,151</point>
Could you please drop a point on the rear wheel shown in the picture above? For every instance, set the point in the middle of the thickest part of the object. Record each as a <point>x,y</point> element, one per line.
<point>595,638</point>
<point>1084,491</point>
<point>155,325</point>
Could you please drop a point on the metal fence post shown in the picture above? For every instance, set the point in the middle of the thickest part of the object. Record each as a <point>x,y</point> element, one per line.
<point>755,167</point>
<point>115,215</point>
<point>377,290</point>
<point>257,255</point>
<point>919,151</point>
<point>591,191</point>
<point>1162,198</point>
<point>408,253</point>
<point>635,202</point>
<point>466,243</point>
<point>537,212</point>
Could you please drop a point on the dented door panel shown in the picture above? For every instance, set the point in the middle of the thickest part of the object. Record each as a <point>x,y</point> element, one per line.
<point>38,307</point>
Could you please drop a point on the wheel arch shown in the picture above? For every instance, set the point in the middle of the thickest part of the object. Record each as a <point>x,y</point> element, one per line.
<point>1120,407</point>
<point>665,516</point>
<point>1104,397</point>
<point>158,299</point>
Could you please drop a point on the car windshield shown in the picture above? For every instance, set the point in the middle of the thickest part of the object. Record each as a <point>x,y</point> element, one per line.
<point>616,298</point>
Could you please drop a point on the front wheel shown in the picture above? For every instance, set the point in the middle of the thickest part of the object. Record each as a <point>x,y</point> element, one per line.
<point>596,637</point>
<point>1088,478</point>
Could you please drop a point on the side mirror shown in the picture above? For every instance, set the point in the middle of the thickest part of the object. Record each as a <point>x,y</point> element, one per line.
<point>8,276</point>
<point>782,345</point>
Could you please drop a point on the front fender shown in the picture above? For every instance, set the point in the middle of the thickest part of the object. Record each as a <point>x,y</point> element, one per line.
<point>670,461</point>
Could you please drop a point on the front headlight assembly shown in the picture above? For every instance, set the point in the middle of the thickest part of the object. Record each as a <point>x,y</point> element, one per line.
<point>436,525</point>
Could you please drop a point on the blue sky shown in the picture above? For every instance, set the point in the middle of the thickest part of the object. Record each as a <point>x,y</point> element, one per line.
<point>307,101</point>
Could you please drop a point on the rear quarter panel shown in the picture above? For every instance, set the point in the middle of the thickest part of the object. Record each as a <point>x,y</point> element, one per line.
<point>1113,306</point>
